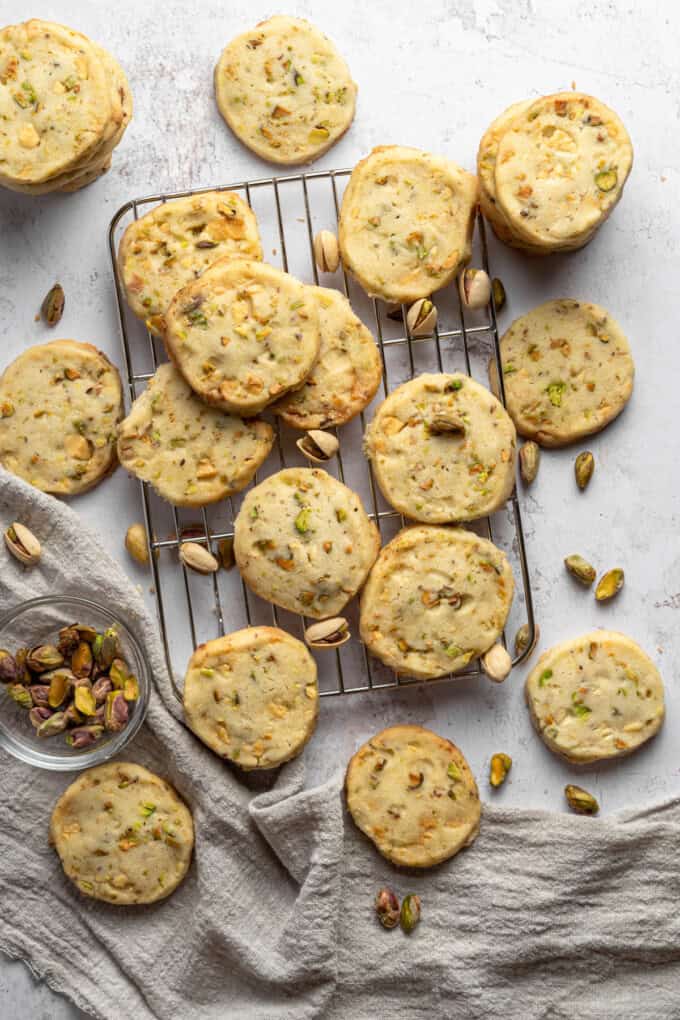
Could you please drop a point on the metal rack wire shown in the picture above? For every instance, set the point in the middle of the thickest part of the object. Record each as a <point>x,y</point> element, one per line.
<point>193,608</point>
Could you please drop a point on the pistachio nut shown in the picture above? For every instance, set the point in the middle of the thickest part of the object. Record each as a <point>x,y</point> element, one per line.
<point>52,307</point>
<point>58,689</point>
<point>529,460</point>
<point>580,801</point>
<point>329,633</point>
<point>474,286</point>
<point>136,543</point>
<point>115,712</point>
<point>131,688</point>
<point>9,670</point>
<point>584,465</point>
<point>56,723</point>
<point>326,251</point>
<point>318,446</point>
<point>84,736</point>
<point>100,688</point>
<point>499,768</point>
<point>84,700</point>
<point>81,660</point>
<point>198,558</point>
<point>225,550</point>
<point>73,716</point>
<point>44,657</point>
<point>23,672</point>
<point>580,569</point>
<point>22,544</point>
<point>86,633</point>
<point>69,639</point>
<point>118,673</point>
<point>21,695</point>
<point>499,295</point>
<point>387,908</point>
<point>523,640</point>
<point>107,648</point>
<point>447,424</point>
<point>421,318</point>
<point>606,180</point>
<point>609,585</point>
<point>38,715</point>
<point>40,694</point>
<point>497,663</point>
<point>410,912</point>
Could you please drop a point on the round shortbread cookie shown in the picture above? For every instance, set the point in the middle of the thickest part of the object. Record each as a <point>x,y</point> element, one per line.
<point>567,371</point>
<point>123,834</point>
<point>285,91</point>
<point>561,167</point>
<point>346,374</point>
<point>303,541</point>
<point>252,696</point>
<point>486,172</point>
<point>55,101</point>
<point>413,794</point>
<point>406,222</point>
<point>594,697</point>
<point>173,244</point>
<point>443,449</point>
<point>243,334</point>
<point>60,404</point>
<point>436,599</point>
<point>88,177</point>
<point>191,453</point>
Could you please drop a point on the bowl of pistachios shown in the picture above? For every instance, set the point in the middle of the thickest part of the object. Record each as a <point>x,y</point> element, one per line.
<point>74,683</point>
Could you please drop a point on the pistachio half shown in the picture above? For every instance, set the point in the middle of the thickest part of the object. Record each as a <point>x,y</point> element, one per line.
<point>23,544</point>
<point>580,801</point>
<point>529,460</point>
<point>496,663</point>
<point>449,423</point>
<point>410,912</point>
<point>329,633</point>
<point>387,908</point>
<point>499,768</point>
<point>580,569</point>
<point>136,543</point>
<point>609,585</point>
<point>522,639</point>
<point>326,251</point>
<point>52,307</point>
<point>225,549</point>
<point>584,465</point>
<point>474,286</point>
<point>198,558</point>
<point>421,318</point>
<point>318,446</point>
<point>498,291</point>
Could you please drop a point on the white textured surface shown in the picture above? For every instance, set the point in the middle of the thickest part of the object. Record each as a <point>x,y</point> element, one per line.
<point>435,81</point>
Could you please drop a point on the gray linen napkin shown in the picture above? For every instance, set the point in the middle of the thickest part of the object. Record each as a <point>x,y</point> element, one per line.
<point>546,916</point>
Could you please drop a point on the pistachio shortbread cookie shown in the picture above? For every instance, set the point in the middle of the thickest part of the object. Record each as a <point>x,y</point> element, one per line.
<point>413,794</point>
<point>177,241</point>
<point>346,374</point>
<point>252,696</point>
<point>60,404</point>
<point>285,91</point>
<point>560,168</point>
<point>406,222</point>
<point>123,834</point>
<point>55,101</point>
<point>567,371</point>
<point>303,541</point>
<point>443,449</point>
<point>436,599</point>
<point>594,697</point>
<point>243,334</point>
<point>191,453</point>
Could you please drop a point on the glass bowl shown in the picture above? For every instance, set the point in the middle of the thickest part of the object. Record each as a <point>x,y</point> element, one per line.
<point>36,622</point>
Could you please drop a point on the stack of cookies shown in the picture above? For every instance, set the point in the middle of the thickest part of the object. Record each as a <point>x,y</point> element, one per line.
<point>551,171</point>
<point>64,106</point>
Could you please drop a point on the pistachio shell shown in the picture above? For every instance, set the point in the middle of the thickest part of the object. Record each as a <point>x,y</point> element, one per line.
<point>136,543</point>
<point>529,460</point>
<point>421,318</point>
<point>474,286</point>
<point>522,639</point>
<point>326,251</point>
<point>198,558</point>
<point>318,446</point>
<point>499,295</point>
<point>497,664</point>
<point>23,544</point>
<point>329,633</point>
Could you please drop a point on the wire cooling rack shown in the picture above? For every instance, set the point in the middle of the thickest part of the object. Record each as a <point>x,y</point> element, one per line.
<point>194,608</point>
